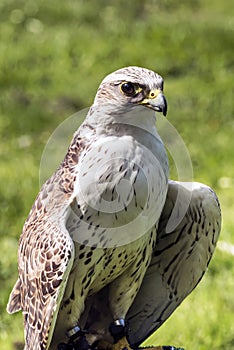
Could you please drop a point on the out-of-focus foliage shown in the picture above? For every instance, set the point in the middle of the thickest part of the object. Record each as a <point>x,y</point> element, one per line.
<point>53,56</point>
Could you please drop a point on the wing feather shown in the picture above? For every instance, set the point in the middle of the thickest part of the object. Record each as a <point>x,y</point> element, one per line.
<point>43,283</point>
<point>14,304</point>
<point>179,261</point>
<point>47,256</point>
<point>46,253</point>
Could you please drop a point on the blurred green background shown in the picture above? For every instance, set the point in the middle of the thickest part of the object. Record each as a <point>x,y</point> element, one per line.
<point>53,56</point>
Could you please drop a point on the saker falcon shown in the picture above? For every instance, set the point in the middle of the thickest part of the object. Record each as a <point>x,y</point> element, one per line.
<point>96,265</point>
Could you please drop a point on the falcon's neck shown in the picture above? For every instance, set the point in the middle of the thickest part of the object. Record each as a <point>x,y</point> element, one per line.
<point>103,120</point>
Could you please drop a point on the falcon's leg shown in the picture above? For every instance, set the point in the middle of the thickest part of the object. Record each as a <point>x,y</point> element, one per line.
<point>118,331</point>
<point>124,289</point>
<point>77,341</point>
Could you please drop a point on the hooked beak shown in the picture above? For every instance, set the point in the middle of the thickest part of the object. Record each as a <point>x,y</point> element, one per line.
<point>156,101</point>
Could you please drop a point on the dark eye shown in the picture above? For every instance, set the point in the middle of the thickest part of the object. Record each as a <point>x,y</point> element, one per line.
<point>128,89</point>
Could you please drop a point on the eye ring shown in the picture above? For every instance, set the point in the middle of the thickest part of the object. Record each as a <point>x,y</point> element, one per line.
<point>128,88</point>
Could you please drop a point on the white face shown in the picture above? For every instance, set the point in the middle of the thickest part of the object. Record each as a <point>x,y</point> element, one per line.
<point>130,87</point>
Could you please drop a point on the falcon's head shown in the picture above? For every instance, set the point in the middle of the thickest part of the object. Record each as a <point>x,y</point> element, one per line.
<point>130,87</point>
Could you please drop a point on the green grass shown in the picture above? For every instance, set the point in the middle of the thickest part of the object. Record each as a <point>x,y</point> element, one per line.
<point>53,57</point>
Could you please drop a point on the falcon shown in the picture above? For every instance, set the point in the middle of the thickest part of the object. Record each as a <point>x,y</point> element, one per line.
<point>97,267</point>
